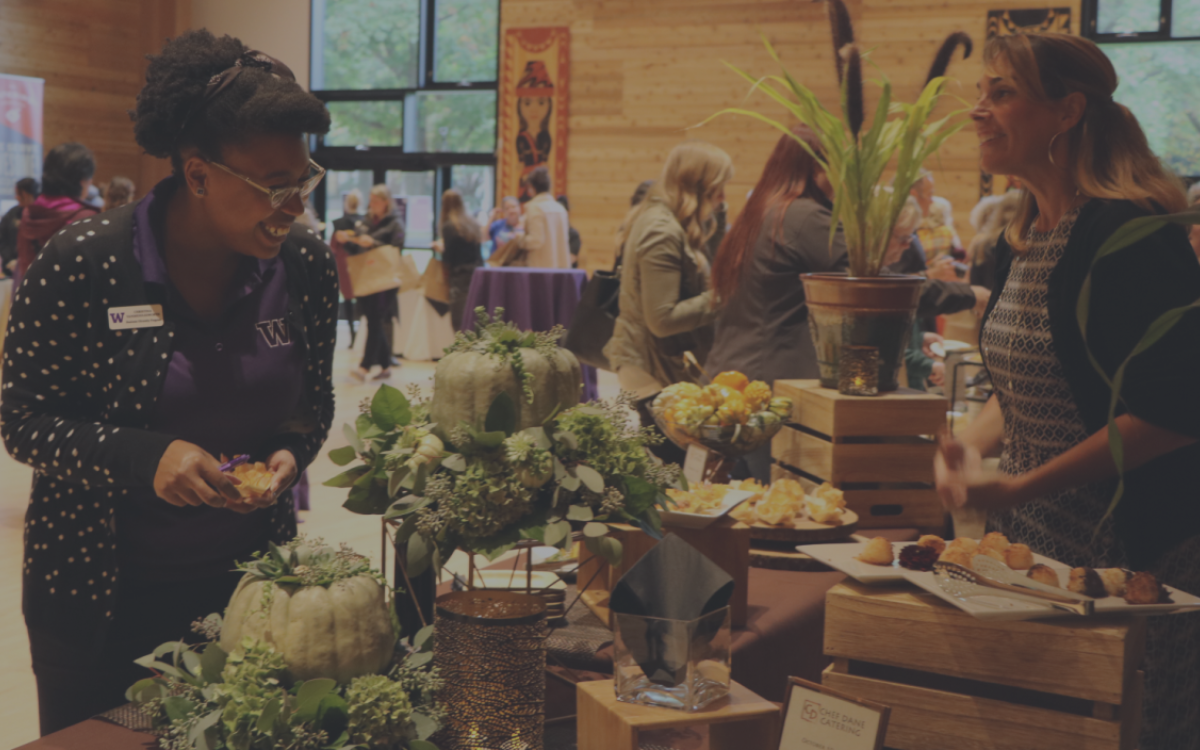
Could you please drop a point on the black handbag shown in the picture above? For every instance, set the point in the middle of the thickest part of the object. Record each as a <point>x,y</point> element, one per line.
<point>595,317</point>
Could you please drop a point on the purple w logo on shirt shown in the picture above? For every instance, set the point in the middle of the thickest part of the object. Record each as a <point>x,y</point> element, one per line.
<point>275,332</point>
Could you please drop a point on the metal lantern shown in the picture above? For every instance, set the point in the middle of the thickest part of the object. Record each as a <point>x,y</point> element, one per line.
<point>490,652</point>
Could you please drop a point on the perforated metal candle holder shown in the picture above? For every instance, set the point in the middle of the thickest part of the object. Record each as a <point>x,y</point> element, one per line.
<point>490,651</point>
<point>858,371</point>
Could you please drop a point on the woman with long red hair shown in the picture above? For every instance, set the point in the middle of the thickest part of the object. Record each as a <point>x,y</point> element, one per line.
<point>781,233</point>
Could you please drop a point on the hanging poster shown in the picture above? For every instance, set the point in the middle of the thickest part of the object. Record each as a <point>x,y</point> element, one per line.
<point>20,133</point>
<point>535,72</point>
<point>1007,23</point>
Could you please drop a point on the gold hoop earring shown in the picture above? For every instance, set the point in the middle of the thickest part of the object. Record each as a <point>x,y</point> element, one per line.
<point>1050,149</point>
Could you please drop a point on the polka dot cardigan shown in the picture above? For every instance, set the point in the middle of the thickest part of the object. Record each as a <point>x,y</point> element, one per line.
<point>77,399</point>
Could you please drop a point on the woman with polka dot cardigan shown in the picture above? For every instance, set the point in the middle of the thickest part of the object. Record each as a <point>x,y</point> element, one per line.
<point>147,342</point>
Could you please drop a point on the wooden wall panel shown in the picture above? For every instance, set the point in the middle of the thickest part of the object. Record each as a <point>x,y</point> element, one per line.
<point>92,54</point>
<point>644,72</point>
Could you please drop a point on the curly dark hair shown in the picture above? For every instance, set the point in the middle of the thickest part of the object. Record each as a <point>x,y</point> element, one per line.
<point>171,113</point>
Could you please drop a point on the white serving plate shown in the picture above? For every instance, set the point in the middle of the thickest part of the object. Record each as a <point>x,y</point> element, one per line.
<point>842,557</point>
<point>732,499</point>
<point>998,607</point>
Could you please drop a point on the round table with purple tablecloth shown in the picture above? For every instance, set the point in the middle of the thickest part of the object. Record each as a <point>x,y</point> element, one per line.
<point>534,299</point>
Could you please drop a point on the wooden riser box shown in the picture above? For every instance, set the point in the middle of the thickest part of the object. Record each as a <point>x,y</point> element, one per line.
<point>957,682</point>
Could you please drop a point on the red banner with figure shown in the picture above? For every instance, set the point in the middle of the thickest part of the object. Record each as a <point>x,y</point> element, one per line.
<point>20,132</point>
<point>535,72</point>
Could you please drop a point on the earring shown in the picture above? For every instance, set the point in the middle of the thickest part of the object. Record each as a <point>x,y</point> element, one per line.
<point>1050,149</point>
<point>200,191</point>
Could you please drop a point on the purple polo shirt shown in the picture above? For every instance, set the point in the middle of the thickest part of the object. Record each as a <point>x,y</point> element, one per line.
<point>229,385</point>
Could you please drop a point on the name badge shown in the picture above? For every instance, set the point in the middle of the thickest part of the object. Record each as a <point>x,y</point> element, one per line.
<point>136,316</point>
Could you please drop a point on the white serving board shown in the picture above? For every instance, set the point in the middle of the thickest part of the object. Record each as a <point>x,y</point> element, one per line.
<point>998,607</point>
<point>732,499</point>
<point>842,557</point>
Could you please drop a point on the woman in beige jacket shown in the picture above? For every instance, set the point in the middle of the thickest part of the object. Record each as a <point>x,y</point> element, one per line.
<point>666,299</point>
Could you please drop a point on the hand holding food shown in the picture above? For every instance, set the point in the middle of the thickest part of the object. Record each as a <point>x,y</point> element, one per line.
<point>188,475</point>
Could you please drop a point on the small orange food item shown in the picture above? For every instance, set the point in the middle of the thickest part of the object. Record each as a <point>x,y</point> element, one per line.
<point>254,477</point>
<point>957,555</point>
<point>1044,574</point>
<point>993,541</point>
<point>757,395</point>
<point>1019,557</point>
<point>878,551</point>
<point>936,543</point>
<point>732,379</point>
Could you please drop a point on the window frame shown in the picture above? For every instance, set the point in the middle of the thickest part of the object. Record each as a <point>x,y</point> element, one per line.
<point>382,159</point>
<point>1090,14</point>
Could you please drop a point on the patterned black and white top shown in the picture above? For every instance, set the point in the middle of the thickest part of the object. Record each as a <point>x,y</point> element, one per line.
<point>1041,418</point>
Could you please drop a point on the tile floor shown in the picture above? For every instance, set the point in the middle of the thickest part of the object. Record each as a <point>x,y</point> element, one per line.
<point>18,701</point>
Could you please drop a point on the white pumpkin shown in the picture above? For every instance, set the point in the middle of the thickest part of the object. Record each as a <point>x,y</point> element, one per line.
<point>465,384</point>
<point>342,632</point>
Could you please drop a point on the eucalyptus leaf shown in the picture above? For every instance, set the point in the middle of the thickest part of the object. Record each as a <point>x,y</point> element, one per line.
<point>178,707</point>
<point>424,725</point>
<point>333,714</point>
<point>594,529</point>
<point>539,438</point>
<point>560,471</point>
<point>605,546</point>
<point>347,478</point>
<point>144,690</point>
<point>266,719</point>
<point>502,415</point>
<point>203,725</point>
<point>590,478</point>
<point>455,462</point>
<point>406,506</point>
<point>423,640</point>
<point>570,483</point>
<point>421,745</point>
<point>394,479</point>
<point>417,555</point>
<point>212,661</point>
<point>580,513</point>
<point>556,532</point>
<point>342,456</point>
<point>352,437</point>
<point>389,408</point>
<point>419,659</point>
<point>191,661</point>
<point>309,697</point>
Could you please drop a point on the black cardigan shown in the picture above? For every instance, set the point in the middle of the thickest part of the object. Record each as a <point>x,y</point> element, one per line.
<point>77,400</point>
<point>1161,505</point>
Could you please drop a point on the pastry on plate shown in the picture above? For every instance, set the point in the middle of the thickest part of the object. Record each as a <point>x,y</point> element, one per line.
<point>878,551</point>
<point>933,541</point>
<point>966,544</point>
<point>957,555</point>
<point>1019,557</point>
<point>254,477</point>
<point>1086,581</point>
<point>825,504</point>
<point>1143,588</point>
<point>993,541</point>
<point>1114,580</point>
<point>1044,574</point>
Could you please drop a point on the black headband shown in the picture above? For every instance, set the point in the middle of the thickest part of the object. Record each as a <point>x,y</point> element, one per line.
<point>251,58</point>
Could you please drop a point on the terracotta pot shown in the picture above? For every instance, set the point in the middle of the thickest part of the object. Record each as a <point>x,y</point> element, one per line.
<point>869,311</point>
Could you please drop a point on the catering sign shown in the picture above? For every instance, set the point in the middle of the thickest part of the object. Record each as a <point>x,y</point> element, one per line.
<point>20,132</point>
<point>818,718</point>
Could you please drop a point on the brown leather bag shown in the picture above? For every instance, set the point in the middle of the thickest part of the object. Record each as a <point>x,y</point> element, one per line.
<point>380,269</point>
<point>510,254</point>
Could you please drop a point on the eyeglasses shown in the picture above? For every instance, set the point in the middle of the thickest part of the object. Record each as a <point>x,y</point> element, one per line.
<point>280,196</point>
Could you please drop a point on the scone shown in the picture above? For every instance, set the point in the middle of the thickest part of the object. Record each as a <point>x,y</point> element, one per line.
<point>1044,574</point>
<point>878,551</point>
<point>935,542</point>
<point>823,509</point>
<point>1019,557</point>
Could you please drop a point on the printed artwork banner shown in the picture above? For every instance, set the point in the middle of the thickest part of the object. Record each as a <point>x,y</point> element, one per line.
<point>535,79</point>
<point>20,133</point>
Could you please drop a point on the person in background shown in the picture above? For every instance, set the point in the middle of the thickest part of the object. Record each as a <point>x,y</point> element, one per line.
<point>666,299</point>
<point>990,218</point>
<point>381,226</point>
<point>574,243</point>
<point>132,529</point>
<point>26,192</point>
<point>1046,114</point>
<point>120,192</point>
<point>783,231</point>
<point>639,193</point>
<point>66,176</point>
<point>547,228</point>
<point>459,247</point>
<point>508,224</point>
<point>350,215</point>
<point>920,364</point>
<point>1193,198</point>
<point>937,233</point>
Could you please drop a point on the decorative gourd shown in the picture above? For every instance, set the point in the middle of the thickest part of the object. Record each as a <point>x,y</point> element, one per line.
<point>530,367</point>
<point>324,611</point>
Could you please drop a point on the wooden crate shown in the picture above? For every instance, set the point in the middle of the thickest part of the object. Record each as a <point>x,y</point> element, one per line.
<point>725,542</point>
<point>954,681</point>
<point>878,450</point>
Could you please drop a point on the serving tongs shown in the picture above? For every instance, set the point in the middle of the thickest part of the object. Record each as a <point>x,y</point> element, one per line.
<point>958,582</point>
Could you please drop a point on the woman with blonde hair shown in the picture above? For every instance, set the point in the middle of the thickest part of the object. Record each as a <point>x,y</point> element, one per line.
<point>381,226</point>
<point>459,247</point>
<point>1046,115</point>
<point>666,300</point>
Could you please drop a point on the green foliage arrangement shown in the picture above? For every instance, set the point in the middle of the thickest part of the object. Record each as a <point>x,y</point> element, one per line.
<point>490,485</point>
<point>855,159</point>
<point>207,698</point>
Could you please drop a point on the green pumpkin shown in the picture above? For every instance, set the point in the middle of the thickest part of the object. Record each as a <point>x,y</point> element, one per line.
<point>466,382</point>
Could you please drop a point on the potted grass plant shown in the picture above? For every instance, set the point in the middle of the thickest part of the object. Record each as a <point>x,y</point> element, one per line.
<point>863,307</point>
